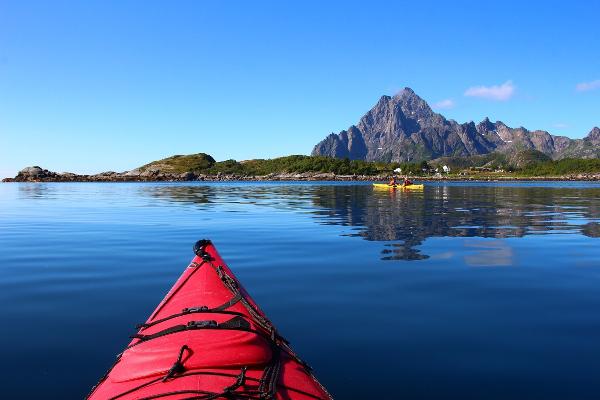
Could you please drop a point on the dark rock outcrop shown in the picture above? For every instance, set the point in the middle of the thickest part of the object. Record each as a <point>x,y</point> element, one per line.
<point>35,174</point>
<point>405,128</point>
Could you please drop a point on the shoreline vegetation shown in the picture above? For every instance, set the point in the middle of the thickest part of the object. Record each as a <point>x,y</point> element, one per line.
<point>527,165</point>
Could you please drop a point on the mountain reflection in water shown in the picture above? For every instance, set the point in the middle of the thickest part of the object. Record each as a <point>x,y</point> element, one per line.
<point>408,218</point>
<point>458,211</point>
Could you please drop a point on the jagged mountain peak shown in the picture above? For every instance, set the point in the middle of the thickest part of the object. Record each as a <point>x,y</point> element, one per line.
<point>411,105</point>
<point>594,136</point>
<point>404,128</point>
<point>486,125</point>
<point>594,133</point>
<point>407,95</point>
<point>406,92</point>
<point>383,101</point>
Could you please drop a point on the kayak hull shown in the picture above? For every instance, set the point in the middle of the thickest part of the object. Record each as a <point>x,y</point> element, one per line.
<point>209,338</point>
<point>388,186</point>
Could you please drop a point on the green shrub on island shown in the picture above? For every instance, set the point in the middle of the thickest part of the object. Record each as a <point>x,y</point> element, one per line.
<point>566,166</point>
<point>300,164</point>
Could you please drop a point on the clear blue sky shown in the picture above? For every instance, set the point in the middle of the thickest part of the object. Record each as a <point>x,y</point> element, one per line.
<point>91,86</point>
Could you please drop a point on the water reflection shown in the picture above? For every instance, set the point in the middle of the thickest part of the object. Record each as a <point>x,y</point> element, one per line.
<point>459,211</point>
<point>34,190</point>
<point>591,229</point>
<point>287,196</point>
<point>495,253</point>
<point>181,194</point>
<point>403,219</point>
<point>408,218</point>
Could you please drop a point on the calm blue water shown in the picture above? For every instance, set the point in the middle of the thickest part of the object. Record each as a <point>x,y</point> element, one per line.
<point>471,291</point>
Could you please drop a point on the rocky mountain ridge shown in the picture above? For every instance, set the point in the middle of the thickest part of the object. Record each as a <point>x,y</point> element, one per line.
<point>404,128</point>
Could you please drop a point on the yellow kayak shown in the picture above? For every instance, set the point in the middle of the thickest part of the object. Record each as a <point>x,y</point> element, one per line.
<point>388,186</point>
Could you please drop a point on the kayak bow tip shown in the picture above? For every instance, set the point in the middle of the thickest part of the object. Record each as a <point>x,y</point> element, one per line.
<point>200,248</point>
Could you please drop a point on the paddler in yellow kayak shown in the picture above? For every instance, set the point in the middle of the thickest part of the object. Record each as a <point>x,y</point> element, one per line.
<point>406,182</point>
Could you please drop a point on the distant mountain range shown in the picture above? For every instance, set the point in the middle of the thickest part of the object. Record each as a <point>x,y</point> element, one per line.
<point>404,128</point>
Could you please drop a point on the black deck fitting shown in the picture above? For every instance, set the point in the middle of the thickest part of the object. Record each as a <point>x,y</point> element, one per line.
<point>200,247</point>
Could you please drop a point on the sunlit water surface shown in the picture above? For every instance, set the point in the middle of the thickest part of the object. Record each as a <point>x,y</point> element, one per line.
<point>471,291</point>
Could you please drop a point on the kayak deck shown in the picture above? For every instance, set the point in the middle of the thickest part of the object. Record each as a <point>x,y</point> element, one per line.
<point>208,339</point>
<point>388,186</point>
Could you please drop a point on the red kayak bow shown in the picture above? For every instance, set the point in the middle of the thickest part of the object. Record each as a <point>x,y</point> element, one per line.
<point>208,339</point>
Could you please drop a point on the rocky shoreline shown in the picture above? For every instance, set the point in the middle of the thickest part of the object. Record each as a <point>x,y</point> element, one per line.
<point>37,174</point>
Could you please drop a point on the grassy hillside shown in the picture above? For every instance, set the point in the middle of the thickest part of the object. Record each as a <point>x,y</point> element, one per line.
<point>565,166</point>
<point>181,163</point>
